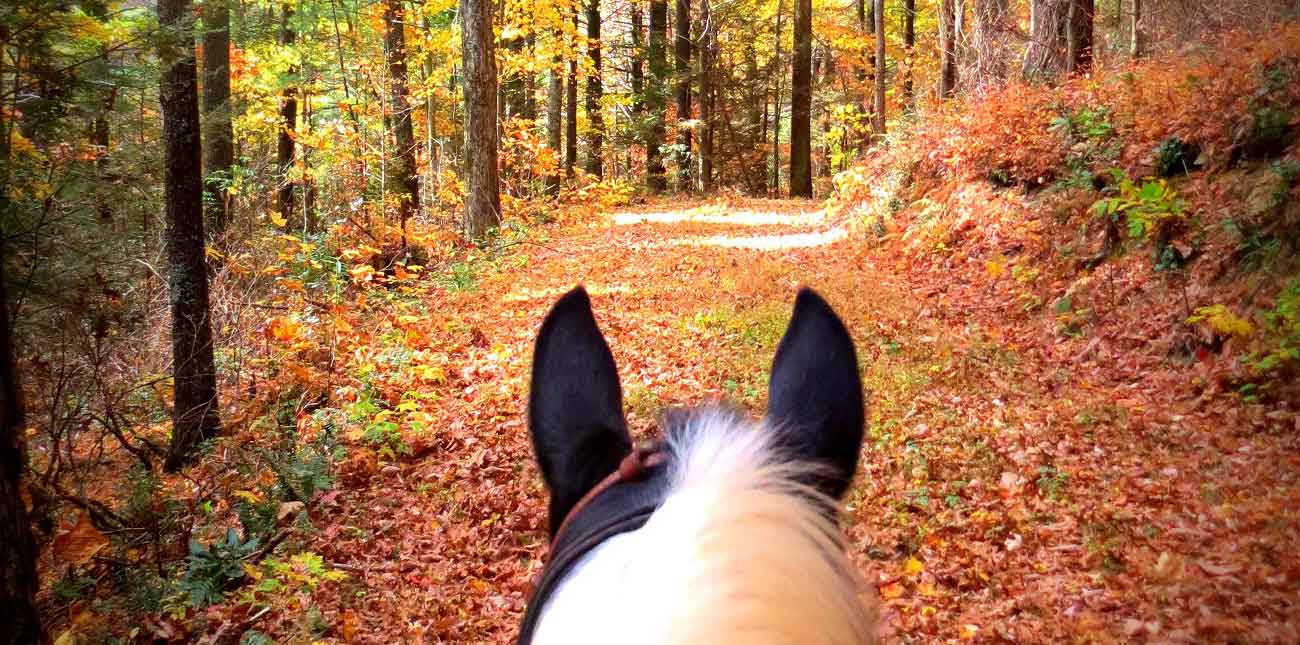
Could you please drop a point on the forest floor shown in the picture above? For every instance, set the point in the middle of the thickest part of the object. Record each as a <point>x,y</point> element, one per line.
<point>1009,490</point>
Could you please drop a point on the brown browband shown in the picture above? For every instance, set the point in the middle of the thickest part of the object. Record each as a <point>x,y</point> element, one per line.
<point>644,456</point>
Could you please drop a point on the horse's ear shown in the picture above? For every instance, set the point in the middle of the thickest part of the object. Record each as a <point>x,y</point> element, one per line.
<point>815,395</point>
<point>575,405</point>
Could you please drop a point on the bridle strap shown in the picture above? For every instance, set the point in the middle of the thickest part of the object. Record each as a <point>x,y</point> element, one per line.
<point>634,467</point>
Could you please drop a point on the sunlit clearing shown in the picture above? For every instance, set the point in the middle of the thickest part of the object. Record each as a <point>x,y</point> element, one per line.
<point>772,242</point>
<point>711,216</point>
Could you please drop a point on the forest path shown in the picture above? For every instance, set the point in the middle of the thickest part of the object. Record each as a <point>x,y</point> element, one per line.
<point>1003,492</point>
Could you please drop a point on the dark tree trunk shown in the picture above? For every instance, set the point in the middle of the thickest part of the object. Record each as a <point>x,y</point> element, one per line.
<point>947,49</point>
<point>708,60</point>
<point>194,411</point>
<point>1079,36</point>
<point>288,123</point>
<point>801,103</point>
<point>909,47</point>
<point>776,112</point>
<point>218,136</point>
<point>682,68</point>
<point>514,88</point>
<point>596,137</point>
<point>482,199</point>
<point>571,112</point>
<point>403,180</point>
<point>879,124</point>
<point>17,548</point>
<point>554,122</point>
<point>657,95</point>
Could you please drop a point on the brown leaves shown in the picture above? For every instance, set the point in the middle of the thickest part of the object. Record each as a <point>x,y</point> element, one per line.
<point>78,542</point>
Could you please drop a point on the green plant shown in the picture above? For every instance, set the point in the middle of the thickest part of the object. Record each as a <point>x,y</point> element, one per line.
<point>1173,156</point>
<point>1282,325</point>
<point>1084,123</point>
<point>1051,482</point>
<point>1146,207</point>
<point>213,568</point>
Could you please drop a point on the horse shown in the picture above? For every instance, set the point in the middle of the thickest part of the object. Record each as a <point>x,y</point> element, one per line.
<point>725,530</point>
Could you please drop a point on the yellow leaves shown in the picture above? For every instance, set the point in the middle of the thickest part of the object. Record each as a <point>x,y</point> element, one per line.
<point>996,267</point>
<point>277,219</point>
<point>248,496</point>
<point>362,273</point>
<point>1223,321</point>
<point>284,329</point>
<point>432,373</point>
<point>969,631</point>
<point>913,567</point>
<point>891,591</point>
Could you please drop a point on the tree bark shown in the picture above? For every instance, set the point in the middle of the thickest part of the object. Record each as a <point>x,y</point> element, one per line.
<point>1079,37</point>
<point>554,121</point>
<point>909,48</point>
<point>596,124</point>
<point>682,68</point>
<point>403,180</point>
<point>17,548</point>
<point>1045,57</point>
<point>482,196</point>
<point>1135,33</point>
<point>656,99</point>
<point>989,42</point>
<point>801,103</point>
<point>879,124</point>
<point>776,112</point>
<point>571,111</point>
<point>708,58</point>
<point>218,135</point>
<point>947,49</point>
<point>194,407</point>
<point>288,122</point>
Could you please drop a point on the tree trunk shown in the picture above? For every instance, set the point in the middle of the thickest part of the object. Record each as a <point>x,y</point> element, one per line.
<point>1135,26</point>
<point>1045,57</point>
<point>17,548</point>
<point>657,95</point>
<point>708,58</point>
<point>682,68</point>
<point>218,136</point>
<point>776,112</point>
<point>909,48</point>
<point>879,124</point>
<point>403,180</point>
<point>554,122</point>
<point>482,199</point>
<point>1079,37</point>
<point>194,408</point>
<point>801,103</point>
<point>288,123</point>
<point>596,125</point>
<point>989,42</point>
<point>947,49</point>
<point>571,111</point>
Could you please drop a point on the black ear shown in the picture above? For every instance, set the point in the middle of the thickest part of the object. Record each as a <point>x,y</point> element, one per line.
<point>815,395</point>
<point>575,405</point>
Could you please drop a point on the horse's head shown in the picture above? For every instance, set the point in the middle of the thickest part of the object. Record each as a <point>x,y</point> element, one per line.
<point>714,527</point>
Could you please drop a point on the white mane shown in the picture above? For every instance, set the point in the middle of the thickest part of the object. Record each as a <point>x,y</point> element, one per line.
<point>736,554</point>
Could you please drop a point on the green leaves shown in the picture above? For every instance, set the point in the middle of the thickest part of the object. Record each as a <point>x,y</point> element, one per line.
<point>1145,207</point>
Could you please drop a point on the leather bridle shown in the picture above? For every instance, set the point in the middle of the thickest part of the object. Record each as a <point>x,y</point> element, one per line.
<point>634,467</point>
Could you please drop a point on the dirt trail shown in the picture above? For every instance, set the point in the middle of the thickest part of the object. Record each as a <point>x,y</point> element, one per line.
<point>1004,494</point>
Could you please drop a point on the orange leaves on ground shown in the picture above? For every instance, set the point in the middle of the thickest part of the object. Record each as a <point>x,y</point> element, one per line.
<point>78,542</point>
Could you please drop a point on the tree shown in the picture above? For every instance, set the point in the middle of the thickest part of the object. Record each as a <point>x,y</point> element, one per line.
<point>776,99</point>
<point>403,180</point>
<point>656,99</point>
<point>17,549</point>
<point>879,124</point>
<point>218,135</point>
<point>708,96</point>
<point>194,376</point>
<point>1078,57</point>
<point>988,42</point>
<point>1045,55</point>
<point>1135,30</point>
<point>596,138</point>
<point>947,49</point>
<point>288,123</point>
<point>801,103</point>
<point>554,107</point>
<point>482,199</point>
<point>682,68</point>
<point>571,110</point>
<point>909,47</point>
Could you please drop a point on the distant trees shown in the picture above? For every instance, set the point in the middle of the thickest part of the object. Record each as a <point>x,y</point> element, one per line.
<point>284,157</point>
<point>596,125</point>
<point>657,95</point>
<point>194,405</point>
<point>801,102</point>
<point>1060,38</point>
<point>947,48</point>
<point>482,199</point>
<point>682,91</point>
